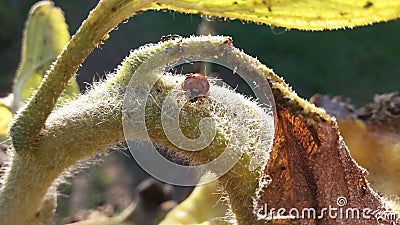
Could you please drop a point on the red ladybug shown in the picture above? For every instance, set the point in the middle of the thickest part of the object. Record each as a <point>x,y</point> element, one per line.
<point>196,85</point>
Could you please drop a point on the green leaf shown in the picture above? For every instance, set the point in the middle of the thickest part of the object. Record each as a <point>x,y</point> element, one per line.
<point>304,15</point>
<point>45,35</point>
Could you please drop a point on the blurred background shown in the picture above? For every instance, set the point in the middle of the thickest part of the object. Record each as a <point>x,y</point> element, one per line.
<point>354,63</point>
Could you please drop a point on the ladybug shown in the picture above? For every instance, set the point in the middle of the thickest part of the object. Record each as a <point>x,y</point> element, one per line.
<point>196,86</point>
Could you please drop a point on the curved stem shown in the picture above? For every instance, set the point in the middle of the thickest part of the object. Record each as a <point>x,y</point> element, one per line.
<point>21,180</point>
<point>92,122</point>
<point>107,15</point>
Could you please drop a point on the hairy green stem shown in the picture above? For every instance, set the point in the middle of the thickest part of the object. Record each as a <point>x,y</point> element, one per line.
<point>91,123</point>
<point>242,196</point>
<point>28,177</point>
<point>74,132</point>
<point>107,15</point>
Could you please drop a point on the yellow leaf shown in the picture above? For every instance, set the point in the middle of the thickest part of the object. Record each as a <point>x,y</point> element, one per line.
<point>202,207</point>
<point>5,119</point>
<point>378,152</point>
<point>304,15</point>
<point>45,35</point>
<point>372,134</point>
